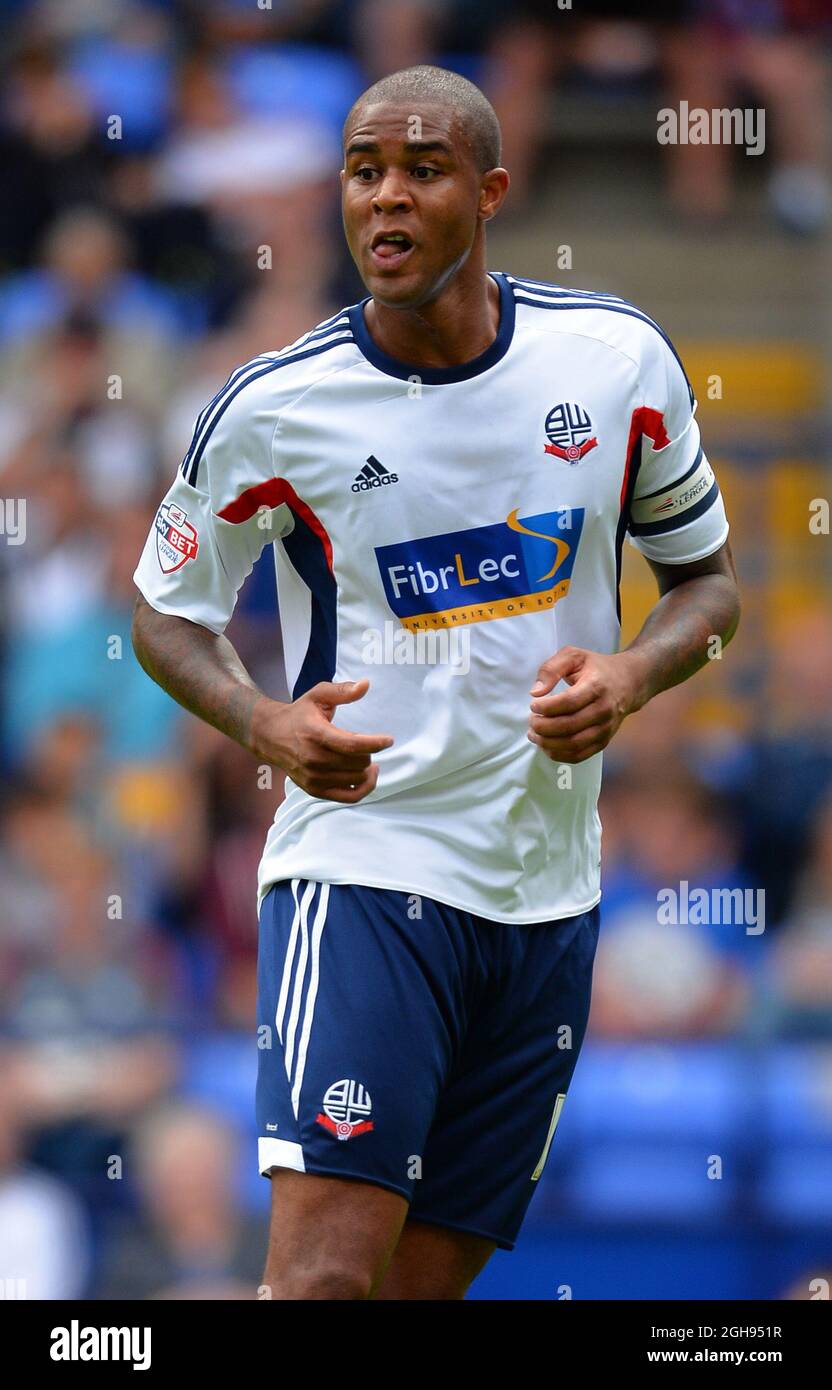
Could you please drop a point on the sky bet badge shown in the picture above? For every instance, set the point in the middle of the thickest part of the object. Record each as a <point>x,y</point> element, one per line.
<point>518,566</point>
<point>568,429</point>
<point>176,540</point>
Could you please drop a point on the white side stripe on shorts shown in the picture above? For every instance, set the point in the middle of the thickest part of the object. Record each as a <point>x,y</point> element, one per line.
<point>311,993</point>
<point>553,1124</point>
<point>287,964</point>
<point>297,988</point>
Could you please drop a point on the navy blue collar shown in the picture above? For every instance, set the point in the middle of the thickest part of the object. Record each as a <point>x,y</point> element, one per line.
<point>438,376</point>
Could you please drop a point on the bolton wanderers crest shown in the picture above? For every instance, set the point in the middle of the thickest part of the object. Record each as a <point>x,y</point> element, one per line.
<point>346,1109</point>
<point>569,431</point>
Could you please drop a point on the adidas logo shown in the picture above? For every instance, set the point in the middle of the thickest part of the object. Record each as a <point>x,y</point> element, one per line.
<point>373,474</point>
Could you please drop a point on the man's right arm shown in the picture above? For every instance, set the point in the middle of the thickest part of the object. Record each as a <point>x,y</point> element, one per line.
<point>202,671</point>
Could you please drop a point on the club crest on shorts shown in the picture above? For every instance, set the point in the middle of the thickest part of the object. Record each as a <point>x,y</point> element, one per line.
<point>569,431</point>
<point>346,1110</point>
<point>176,539</point>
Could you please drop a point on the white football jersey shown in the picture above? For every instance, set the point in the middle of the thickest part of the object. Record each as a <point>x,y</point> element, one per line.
<point>443,531</point>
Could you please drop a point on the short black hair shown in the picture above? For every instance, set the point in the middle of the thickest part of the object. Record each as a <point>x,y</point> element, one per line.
<point>440,85</point>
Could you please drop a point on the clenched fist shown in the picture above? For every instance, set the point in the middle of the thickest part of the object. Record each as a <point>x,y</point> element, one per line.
<point>577,723</point>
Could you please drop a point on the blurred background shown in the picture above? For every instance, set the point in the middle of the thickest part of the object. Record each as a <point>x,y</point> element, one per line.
<point>151,150</point>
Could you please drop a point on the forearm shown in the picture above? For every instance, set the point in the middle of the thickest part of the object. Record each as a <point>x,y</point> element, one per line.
<point>203,672</point>
<point>678,635</point>
<point>198,668</point>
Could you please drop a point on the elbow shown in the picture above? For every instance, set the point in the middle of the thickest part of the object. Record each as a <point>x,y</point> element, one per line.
<point>136,630</point>
<point>733,617</point>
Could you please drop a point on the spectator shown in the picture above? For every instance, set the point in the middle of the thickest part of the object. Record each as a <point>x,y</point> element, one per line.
<point>73,652</point>
<point>190,1240</point>
<point>84,277</point>
<point>44,1237</point>
<point>799,979</point>
<point>659,973</point>
<point>790,768</point>
<point>732,47</point>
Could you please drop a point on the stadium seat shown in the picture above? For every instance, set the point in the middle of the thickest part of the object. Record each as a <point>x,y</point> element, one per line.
<point>221,1072</point>
<point>636,1181</point>
<point>796,1185</point>
<point>134,83</point>
<point>796,1098</point>
<point>656,1091</point>
<point>295,79</point>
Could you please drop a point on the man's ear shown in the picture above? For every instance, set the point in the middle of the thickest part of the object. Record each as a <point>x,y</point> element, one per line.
<point>493,190</point>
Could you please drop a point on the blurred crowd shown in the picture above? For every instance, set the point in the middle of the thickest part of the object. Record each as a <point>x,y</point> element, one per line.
<point>170,209</point>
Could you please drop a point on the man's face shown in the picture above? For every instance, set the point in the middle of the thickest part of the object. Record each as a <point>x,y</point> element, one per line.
<point>410,200</point>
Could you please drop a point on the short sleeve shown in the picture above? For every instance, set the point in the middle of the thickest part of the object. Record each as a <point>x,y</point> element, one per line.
<point>214,520</point>
<point>677,514</point>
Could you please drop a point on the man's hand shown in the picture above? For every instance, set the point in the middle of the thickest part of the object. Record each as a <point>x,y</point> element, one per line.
<point>201,670</point>
<point>695,618</point>
<point>301,739</point>
<point>577,723</point>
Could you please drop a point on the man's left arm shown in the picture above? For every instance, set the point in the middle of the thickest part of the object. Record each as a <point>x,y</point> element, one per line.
<point>698,602</point>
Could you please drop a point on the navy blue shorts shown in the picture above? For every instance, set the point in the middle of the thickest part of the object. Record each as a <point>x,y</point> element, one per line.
<point>409,1044</point>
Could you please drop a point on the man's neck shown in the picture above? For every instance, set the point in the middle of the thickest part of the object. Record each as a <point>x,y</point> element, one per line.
<point>452,329</point>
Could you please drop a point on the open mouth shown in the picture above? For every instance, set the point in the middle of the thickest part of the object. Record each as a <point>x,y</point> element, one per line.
<point>390,249</point>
